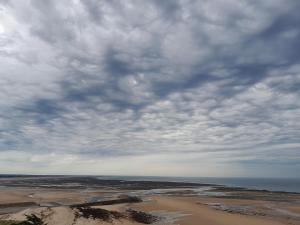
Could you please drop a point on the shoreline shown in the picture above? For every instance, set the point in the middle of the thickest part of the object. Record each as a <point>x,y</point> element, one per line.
<point>87,180</point>
<point>183,203</point>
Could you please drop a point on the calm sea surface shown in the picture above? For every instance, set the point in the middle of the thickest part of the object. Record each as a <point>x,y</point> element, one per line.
<point>271,184</point>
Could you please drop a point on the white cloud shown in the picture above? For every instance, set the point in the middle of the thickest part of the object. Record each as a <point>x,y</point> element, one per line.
<point>93,82</point>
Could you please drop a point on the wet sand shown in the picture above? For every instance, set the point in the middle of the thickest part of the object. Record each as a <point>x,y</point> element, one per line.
<point>197,212</point>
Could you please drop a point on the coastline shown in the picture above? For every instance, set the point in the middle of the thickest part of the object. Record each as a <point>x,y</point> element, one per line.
<point>288,184</point>
<point>176,202</point>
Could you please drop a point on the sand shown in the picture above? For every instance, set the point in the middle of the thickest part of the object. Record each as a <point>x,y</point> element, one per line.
<point>179,206</point>
<point>63,216</point>
<point>40,195</point>
<point>201,214</point>
<point>193,211</point>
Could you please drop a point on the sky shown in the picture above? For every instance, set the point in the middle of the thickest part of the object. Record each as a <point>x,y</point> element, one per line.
<point>165,88</point>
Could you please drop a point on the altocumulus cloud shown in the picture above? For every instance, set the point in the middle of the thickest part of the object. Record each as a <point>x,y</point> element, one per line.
<point>179,87</point>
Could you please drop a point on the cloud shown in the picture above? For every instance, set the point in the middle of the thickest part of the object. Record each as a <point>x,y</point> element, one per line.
<point>209,80</point>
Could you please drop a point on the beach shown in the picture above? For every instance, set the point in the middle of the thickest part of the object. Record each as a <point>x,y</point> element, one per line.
<point>72,200</point>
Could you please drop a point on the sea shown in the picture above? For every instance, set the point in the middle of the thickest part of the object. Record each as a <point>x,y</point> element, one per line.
<point>270,184</point>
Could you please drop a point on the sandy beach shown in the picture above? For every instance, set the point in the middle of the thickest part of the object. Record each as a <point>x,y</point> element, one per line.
<point>195,212</point>
<point>82,202</point>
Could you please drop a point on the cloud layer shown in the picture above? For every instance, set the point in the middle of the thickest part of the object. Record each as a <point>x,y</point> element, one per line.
<point>88,86</point>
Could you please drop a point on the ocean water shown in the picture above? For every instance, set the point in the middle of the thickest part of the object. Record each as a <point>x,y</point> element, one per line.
<point>271,184</point>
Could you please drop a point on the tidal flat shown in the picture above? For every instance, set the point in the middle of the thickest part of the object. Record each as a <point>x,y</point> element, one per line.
<point>76,200</point>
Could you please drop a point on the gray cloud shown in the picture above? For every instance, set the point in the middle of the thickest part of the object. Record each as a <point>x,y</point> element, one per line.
<point>90,80</point>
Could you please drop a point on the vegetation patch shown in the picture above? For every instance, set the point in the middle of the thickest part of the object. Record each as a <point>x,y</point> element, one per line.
<point>127,199</point>
<point>109,216</point>
<point>31,219</point>
<point>8,222</point>
<point>17,204</point>
<point>96,213</point>
<point>142,217</point>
